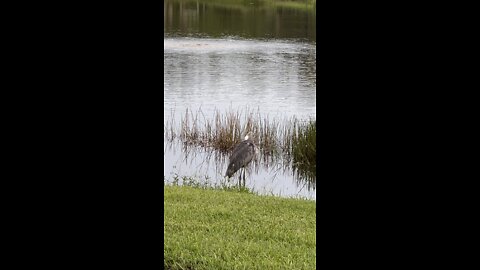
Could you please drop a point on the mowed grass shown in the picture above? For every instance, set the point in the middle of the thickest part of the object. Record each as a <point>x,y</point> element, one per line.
<point>217,229</point>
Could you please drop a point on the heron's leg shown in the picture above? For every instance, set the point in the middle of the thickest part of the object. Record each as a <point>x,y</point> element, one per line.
<point>241,173</point>
<point>244,172</point>
<point>241,177</point>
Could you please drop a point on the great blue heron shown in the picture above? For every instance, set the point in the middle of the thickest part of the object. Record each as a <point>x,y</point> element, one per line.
<point>241,156</point>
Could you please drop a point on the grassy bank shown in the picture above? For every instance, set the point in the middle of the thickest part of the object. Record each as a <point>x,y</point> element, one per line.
<point>217,229</point>
<point>243,4</point>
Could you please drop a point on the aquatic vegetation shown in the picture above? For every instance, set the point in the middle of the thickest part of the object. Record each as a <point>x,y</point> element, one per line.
<point>196,182</point>
<point>304,154</point>
<point>289,141</point>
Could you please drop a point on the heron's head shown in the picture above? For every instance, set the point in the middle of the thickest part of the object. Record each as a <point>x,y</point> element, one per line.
<point>248,136</point>
<point>230,171</point>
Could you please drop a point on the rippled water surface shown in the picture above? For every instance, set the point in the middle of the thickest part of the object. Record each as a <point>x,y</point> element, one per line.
<point>278,77</point>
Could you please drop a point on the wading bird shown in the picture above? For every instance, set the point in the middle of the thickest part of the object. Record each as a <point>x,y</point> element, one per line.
<point>241,156</point>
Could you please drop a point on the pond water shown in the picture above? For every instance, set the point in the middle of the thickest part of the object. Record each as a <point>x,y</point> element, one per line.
<point>213,62</point>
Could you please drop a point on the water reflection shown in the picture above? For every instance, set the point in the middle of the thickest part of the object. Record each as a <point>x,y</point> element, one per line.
<point>248,19</point>
<point>265,174</point>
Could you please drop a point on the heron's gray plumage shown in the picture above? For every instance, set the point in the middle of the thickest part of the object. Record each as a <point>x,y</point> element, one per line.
<point>241,156</point>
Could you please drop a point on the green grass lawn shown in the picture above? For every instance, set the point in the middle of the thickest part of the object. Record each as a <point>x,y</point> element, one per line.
<point>218,229</point>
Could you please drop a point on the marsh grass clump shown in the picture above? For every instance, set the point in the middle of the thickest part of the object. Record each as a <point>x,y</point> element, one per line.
<point>169,127</point>
<point>304,149</point>
<point>225,130</point>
